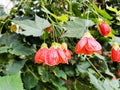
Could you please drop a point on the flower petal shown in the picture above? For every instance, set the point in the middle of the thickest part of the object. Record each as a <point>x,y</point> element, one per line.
<point>52,57</point>
<point>93,45</point>
<point>40,55</point>
<point>115,55</point>
<point>62,56</point>
<point>80,45</point>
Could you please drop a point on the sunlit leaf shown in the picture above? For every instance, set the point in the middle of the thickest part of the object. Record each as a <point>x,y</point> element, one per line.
<point>77,27</point>
<point>12,82</point>
<point>97,84</point>
<point>102,12</point>
<point>34,28</point>
<point>112,9</point>
<point>115,39</point>
<point>63,18</point>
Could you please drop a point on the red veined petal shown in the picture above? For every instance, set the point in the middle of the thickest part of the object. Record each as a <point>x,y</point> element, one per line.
<point>52,57</point>
<point>68,53</point>
<point>62,56</point>
<point>93,45</point>
<point>40,55</point>
<point>80,45</point>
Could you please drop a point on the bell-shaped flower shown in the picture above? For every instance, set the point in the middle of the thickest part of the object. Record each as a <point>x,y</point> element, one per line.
<point>52,57</point>
<point>67,52</point>
<point>104,28</point>
<point>88,45</point>
<point>115,53</point>
<point>41,54</point>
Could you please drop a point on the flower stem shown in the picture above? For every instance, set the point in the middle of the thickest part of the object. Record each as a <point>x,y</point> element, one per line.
<point>95,68</point>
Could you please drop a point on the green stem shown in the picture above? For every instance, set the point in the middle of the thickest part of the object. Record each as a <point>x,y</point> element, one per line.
<point>31,72</point>
<point>95,68</point>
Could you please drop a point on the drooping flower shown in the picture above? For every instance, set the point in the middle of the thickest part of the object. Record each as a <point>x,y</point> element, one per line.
<point>104,28</point>
<point>67,52</point>
<point>88,45</point>
<point>56,55</point>
<point>115,53</point>
<point>52,57</point>
<point>41,54</point>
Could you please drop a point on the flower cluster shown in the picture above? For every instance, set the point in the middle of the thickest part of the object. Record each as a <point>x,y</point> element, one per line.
<point>88,45</point>
<point>56,54</point>
<point>115,53</point>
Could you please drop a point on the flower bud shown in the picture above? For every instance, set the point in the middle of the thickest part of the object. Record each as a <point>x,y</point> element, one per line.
<point>104,28</point>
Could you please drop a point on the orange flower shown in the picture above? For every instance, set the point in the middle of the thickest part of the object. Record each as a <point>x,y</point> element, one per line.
<point>88,45</point>
<point>115,53</point>
<point>67,52</point>
<point>41,54</point>
<point>62,56</point>
<point>104,28</point>
<point>52,57</point>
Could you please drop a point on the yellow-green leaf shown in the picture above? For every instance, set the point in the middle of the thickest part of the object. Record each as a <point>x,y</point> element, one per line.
<point>112,9</point>
<point>63,18</point>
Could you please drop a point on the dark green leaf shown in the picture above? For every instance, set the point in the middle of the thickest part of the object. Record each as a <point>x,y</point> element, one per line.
<point>9,43</point>
<point>58,82</point>
<point>12,82</point>
<point>59,73</point>
<point>14,67</point>
<point>107,71</point>
<point>44,74</point>
<point>83,67</point>
<point>29,80</point>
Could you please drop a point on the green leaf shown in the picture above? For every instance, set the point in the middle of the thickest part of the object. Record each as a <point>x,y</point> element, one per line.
<point>106,85</point>
<point>44,74</point>
<point>76,28</point>
<point>9,43</point>
<point>12,82</point>
<point>29,80</point>
<point>34,28</point>
<point>102,12</point>
<point>97,83</point>
<point>58,82</point>
<point>111,84</point>
<point>19,49</point>
<point>14,67</point>
<point>115,39</point>
<point>62,88</point>
<point>107,71</point>
<point>41,23</point>
<point>59,73</point>
<point>2,13</point>
<point>83,67</point>
<point>113,9</point>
